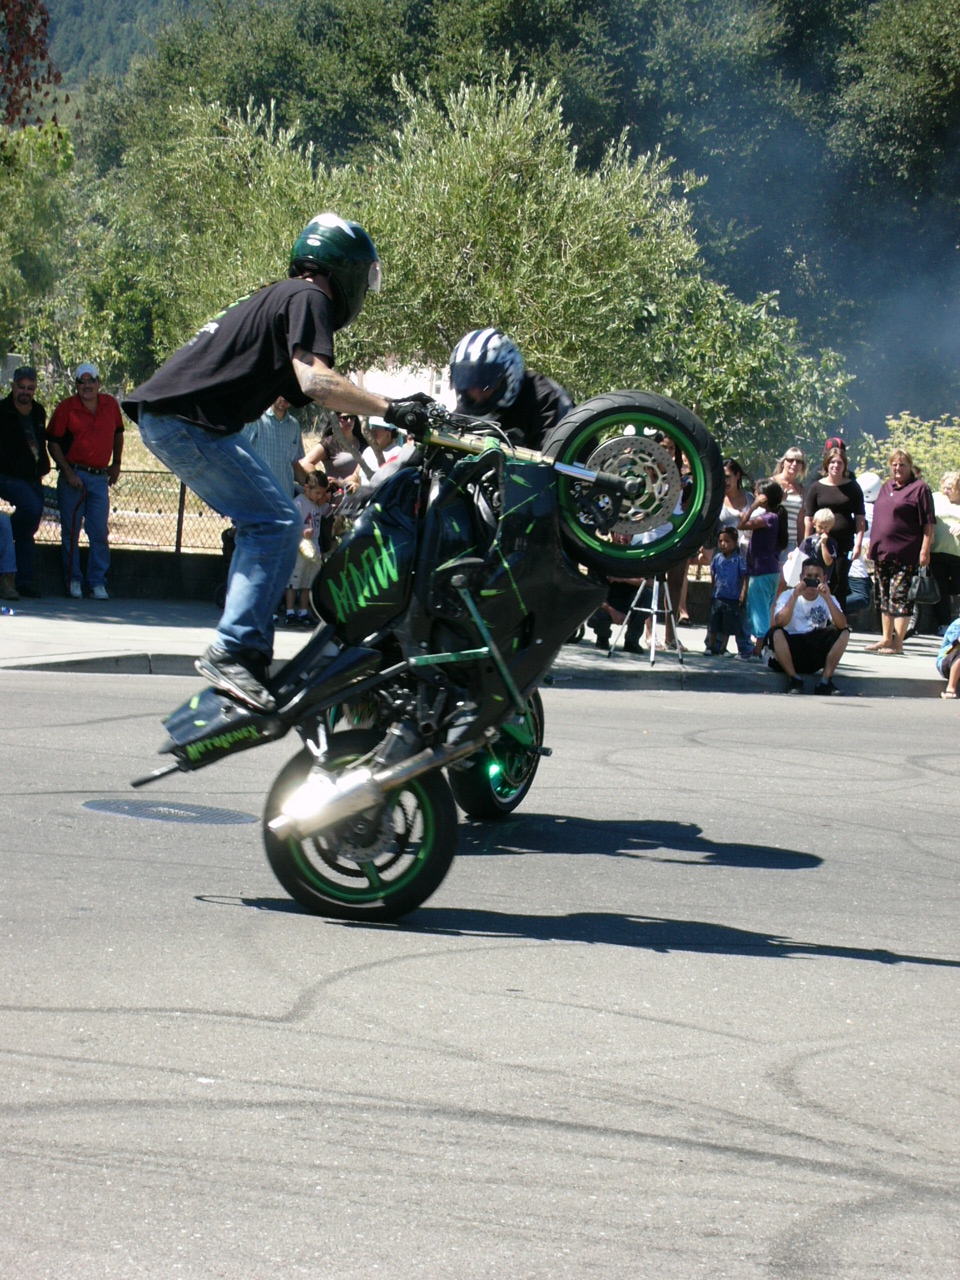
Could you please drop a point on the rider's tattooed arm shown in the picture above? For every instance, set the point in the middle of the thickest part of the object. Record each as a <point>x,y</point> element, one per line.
<point>331,389</point>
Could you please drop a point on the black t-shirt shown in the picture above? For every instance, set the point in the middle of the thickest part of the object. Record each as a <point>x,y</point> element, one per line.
<point>539,406</point>
<point>241,360</point>
<point>845,501</point>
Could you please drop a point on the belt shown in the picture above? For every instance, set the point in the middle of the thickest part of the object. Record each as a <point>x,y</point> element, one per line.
<point>91,471</point>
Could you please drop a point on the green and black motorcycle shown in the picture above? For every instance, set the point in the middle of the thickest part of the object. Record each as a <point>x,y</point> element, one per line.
<point>442,609</point>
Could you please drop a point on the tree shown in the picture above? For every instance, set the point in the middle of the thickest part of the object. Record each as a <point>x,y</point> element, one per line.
<point>482,215</point>
<point>34,162</point>
<point>26,71</point>
<point>933,446</point>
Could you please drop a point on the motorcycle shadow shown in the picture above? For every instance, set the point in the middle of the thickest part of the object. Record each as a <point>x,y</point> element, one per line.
<point>648,933</point>
<point>647,841</point>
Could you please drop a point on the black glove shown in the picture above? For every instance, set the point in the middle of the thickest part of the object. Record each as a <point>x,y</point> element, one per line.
<point>411,414</point>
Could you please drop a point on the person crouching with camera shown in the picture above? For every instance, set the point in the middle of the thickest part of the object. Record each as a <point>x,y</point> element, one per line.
<point>809,632</point>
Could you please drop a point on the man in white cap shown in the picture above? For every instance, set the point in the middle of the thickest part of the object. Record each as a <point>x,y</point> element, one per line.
<point>85,438</point>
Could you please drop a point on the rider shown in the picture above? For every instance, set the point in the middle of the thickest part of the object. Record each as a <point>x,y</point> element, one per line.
<point>488,375</point>
<point>275,342</point>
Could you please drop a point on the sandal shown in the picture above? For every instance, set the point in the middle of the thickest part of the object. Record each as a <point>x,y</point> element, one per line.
<point>948,693</point>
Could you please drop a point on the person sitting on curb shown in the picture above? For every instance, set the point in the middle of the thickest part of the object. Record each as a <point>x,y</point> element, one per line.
<point>809,632</point>
<point>948,659</point>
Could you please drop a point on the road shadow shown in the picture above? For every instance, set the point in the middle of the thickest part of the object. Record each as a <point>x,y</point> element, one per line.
<point>545,834</point>
<point>648,933</point>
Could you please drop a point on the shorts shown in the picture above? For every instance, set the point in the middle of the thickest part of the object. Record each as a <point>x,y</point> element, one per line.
<point>893,583</point>
<point>725,617</point>
<point>808,651</point>
<point>304,572</point>
<point>946,662</point>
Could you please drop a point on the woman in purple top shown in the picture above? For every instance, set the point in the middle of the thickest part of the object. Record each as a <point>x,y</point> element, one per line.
<point>900,539</point>
<point>763,518</point>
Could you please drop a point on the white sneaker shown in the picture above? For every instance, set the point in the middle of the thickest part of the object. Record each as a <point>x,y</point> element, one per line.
<point>99,592</point>
<point>76,589</point>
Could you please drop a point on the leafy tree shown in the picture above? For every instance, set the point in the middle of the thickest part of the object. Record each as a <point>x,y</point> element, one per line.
<point>898,107</point>
<point>26,70</point>
<point>33,213</point>
<point>934,446</point>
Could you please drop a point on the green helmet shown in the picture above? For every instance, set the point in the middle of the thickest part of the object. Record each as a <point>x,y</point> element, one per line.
<point>346,255</point>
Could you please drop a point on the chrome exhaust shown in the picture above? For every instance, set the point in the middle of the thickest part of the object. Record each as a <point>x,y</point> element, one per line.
<point>321,801</point>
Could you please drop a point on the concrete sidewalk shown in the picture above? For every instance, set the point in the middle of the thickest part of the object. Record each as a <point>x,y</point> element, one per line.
<point>148,636</point>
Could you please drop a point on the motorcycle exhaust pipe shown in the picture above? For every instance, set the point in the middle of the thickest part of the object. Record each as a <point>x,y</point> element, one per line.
<point>321,801</point>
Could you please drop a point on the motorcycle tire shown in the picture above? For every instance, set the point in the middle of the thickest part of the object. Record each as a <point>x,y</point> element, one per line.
<point>637,434</point>
<point>492,783</point>
<point>393,869</point>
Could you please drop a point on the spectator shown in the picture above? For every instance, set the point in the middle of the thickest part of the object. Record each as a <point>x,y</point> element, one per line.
<point>809,632</point>
<point>948,659</point>
<point>276,439</point>
<point>900,542</point>
<point>837,490</point>
<point>85,437</point>
<point>736,501</point>
<point>277,341</point>
<point>789,473</point>
<point>820,546</point>
<point>316,511</point>
<point>728,575</point>
<point>384,445</point>
<point>23,464</point>
<point>488,375</point>
<point>945,549</point>
<point>8,560</point>
<point>766,524</point>
<point>339,451</point>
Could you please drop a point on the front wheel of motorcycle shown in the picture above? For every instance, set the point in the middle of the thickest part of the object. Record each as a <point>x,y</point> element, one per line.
<point>492,783</point>
<point>641,436</point>
<point>360,870</point>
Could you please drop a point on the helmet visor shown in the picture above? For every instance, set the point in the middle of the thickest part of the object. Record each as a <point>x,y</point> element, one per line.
<point>476,377</point>
<point>375,277</point>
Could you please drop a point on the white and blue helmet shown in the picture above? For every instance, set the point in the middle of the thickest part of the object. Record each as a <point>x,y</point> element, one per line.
<point>486,360</point>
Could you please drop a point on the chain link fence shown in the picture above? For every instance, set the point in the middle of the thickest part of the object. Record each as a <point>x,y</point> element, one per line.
<point>149,509</point>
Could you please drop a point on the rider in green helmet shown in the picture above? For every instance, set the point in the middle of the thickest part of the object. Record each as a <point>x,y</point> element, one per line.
<point>275,342</point>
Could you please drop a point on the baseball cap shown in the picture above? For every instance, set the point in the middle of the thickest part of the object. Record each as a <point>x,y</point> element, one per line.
<point>24,371</point>
<point>835,443</point>
<point>90,369</point>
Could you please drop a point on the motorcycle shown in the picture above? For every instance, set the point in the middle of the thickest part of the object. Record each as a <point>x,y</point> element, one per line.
<point>441,611</point>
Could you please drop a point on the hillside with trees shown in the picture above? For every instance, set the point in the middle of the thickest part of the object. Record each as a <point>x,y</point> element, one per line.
<point>804,157</point>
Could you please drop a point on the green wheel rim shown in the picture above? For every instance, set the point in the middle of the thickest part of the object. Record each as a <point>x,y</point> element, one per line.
<point>609,427</point>
<point>374,887</point>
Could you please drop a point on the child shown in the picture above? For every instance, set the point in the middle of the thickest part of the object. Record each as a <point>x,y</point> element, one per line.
<point>820,546</point>
<point>728,573</point>
<point>948,659</point>
<point>314,505</point>
<point>768,536</point>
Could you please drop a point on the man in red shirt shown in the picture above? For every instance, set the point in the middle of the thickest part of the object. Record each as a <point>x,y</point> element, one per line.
<point>85,438</point>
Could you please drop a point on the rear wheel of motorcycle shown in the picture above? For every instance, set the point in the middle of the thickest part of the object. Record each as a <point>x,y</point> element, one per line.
<point>637,435</point>
<point>493,782</point>
<point>392,870</point>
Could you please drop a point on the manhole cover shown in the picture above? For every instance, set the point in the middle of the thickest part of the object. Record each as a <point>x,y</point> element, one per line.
<point>161,811</point>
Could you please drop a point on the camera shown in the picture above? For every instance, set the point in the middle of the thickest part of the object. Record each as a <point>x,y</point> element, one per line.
<point>811,581</point>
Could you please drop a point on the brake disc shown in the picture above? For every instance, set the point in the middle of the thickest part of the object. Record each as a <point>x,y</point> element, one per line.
<point>637,457</point>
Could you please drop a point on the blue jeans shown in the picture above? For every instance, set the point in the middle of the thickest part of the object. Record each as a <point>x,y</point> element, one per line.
<point>26,496</point>
<point>8,560</point>
<point>230,478</point>
<point>87,508</point>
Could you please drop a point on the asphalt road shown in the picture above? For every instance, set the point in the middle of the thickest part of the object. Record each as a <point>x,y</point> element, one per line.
<point>693,1012</point>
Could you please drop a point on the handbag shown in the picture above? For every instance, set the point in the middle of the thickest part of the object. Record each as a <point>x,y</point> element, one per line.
<point>923,589</point>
